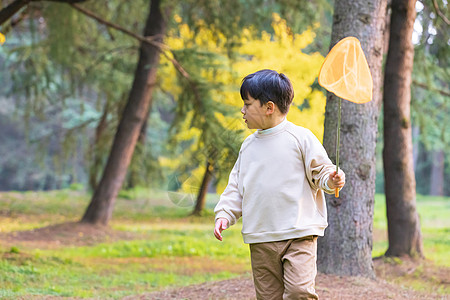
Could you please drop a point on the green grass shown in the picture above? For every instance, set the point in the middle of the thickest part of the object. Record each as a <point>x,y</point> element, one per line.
<point>174,250</point>
<point>170,249</point>
<point>169,242</point>
<point>434,214</point>
<point>50,275</point>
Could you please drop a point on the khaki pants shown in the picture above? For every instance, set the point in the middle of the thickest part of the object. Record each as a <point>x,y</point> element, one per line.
<point>285,269</point>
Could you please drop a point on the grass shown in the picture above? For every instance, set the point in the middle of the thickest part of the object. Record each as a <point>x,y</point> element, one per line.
<point>173,250</point>
<point>168,248</point>
<point>434,214</point>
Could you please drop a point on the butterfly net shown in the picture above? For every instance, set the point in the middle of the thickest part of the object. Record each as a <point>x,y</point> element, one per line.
<point>345,72</point>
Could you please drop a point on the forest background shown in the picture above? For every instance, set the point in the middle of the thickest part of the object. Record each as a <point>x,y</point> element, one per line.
<point>82,87</point>
<point>65,80</point>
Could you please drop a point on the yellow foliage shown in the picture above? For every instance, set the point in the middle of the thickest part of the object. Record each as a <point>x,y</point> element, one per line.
<point>313,117</point>
<point>221,185</point>
<point>280,51</point>
<point>177,18</point>
<point>2,39</point>
<point>192,184</point>
<point>186,132</point>
<point>167,162</point>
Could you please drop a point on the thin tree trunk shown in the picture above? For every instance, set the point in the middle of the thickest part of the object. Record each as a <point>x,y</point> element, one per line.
<point>96,157</point>
<point>437,173</point>
<point>346,248</point>
<point>140,148</point>
<point>400,185</point>
<point>415,138</point>
<point>201,198</point>
<point>134,115</point>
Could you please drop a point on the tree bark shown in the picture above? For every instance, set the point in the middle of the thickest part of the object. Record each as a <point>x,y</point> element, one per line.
<point>201,198</point>
<point>134,115</point>
<point>400,185</point>
<point>346,248</point>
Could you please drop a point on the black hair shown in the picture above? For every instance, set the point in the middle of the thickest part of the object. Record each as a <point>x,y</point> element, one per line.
<point>268,85</point>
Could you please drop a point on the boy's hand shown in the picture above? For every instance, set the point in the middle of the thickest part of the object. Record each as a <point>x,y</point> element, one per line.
<point>336,180</point>
<point>221,225</point>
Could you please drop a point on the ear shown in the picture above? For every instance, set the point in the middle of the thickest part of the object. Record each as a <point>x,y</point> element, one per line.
<point>270,108</point>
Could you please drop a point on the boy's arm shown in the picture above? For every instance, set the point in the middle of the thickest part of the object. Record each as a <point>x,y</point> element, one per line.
<point>229,206</point>
<point>320,171</point>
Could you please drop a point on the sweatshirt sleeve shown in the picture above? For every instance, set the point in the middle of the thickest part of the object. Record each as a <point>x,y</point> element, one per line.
<point>230,203</point>
<point>318,165</point>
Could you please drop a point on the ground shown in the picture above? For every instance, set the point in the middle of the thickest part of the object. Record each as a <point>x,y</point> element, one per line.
<point>328,287</point>
<point>391,273</point>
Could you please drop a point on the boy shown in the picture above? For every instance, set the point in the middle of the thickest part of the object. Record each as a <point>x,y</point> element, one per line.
<point>277,187</point>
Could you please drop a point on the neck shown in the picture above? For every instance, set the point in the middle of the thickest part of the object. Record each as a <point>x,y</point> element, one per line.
<point>274,121</point>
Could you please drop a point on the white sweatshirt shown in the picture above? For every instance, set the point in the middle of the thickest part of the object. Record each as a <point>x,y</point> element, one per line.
<point>276,185</point>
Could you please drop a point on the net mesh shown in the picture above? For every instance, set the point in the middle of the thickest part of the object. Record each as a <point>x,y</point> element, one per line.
<point>345,72</point>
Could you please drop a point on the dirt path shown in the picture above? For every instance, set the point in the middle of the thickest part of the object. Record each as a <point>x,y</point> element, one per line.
<point>328,287</point>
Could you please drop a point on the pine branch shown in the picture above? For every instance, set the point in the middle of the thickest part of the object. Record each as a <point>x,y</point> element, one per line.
<point>20,18</point>
<point>439,13</point>
<point>149,40</point>
<point>15,6</point>
<point>62,1</point>
<point>66,131</point>
<point>103,56</point>
<point>164,49</point>
<point>426,87</point>
<point>9,11</point>
<point>15,21</point>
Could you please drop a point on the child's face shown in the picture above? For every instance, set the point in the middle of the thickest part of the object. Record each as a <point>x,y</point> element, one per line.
<point>254,114</point>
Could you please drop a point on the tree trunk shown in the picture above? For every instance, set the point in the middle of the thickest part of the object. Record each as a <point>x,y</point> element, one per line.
<point>437,173</point>
<point>201,198</point>
<point>346,248</point>
<point>140,148</point>
<point>96,157</point>
<point>415,131</point>
<point>135,112</point>
<point>400,184</point>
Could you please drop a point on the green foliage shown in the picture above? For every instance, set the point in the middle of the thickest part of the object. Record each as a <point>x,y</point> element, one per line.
<point>429,103</point>
<point>227,19</point>
<point>65,70</point>
<point>61,24</point>
<point>65,65</point>
<point>207,123</point>
<point>430,93</point>
<point>430,109</point>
